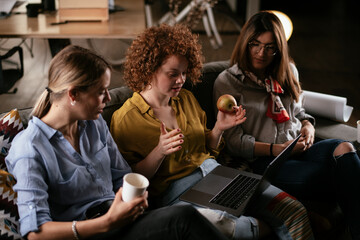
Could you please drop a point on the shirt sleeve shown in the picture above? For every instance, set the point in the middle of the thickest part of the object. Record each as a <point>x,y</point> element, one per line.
<point>31,187</point>
<point>300,111</point>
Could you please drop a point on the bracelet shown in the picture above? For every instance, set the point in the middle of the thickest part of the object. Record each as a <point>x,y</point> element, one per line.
<point>76,234</point>
<point>271,150</point>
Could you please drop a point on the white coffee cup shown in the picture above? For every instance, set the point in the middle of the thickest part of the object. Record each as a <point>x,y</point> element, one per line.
<point>134,185</point>
<point>358,131</point>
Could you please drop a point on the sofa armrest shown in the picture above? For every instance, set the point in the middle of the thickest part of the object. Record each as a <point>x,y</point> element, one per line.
<point>326,128</point>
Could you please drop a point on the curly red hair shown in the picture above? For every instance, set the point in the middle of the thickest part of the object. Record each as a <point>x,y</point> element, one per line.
<point>150,49</point>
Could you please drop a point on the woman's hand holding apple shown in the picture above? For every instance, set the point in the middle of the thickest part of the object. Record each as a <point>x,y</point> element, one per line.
<point>229,114</point>
<point>229,120</point>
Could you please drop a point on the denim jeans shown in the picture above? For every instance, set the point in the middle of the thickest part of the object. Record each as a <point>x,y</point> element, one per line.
<point>243,227</point>
<point>317,174</point>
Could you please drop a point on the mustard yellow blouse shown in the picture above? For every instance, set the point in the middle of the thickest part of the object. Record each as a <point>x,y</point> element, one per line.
<point>136,131</point>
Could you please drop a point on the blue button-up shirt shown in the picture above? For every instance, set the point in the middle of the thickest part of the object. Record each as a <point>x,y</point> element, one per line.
<point>56,183</point>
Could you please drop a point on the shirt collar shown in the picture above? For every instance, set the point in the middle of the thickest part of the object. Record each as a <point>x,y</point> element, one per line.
<point>140,102</point>
<point>142,105</point>
<point>236,71</point>
<point>49,131</point>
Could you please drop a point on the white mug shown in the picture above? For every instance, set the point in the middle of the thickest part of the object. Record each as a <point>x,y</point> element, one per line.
<point>134,185</point>
<point>358,131</point>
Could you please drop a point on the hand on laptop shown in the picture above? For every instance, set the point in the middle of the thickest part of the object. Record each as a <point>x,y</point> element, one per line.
<point>308,133</point>
<point>299,147</point>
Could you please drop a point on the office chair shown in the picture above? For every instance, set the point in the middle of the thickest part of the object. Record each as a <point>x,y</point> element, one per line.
<point>8,77</point>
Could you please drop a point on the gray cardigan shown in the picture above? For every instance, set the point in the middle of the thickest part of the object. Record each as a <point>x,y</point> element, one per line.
<point>240,140</point>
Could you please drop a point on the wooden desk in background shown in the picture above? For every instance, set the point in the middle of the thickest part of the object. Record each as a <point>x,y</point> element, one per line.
<point>125,24</point>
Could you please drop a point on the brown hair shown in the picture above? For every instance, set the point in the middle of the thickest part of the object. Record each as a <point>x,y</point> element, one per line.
<point>72,66</point>
<point>150,49</point>
<point>280,67</point>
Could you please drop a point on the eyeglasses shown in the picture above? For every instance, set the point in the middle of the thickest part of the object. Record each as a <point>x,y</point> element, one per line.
<point>269,49</point>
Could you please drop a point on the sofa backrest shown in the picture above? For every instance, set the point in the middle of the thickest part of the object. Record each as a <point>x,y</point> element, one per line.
<point>118,97</point>
<point>204,91</point>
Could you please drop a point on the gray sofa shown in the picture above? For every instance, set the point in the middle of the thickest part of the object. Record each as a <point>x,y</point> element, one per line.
<point>325,128</point>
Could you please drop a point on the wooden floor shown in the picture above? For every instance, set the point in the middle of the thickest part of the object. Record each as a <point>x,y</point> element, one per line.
<point>323,45</point>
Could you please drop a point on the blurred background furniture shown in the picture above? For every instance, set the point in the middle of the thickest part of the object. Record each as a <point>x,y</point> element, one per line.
<point>9,76</point>
<point>190,14</point>
<point>125,24</point>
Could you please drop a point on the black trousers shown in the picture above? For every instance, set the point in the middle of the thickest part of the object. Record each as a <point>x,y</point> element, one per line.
<point>174,222</point>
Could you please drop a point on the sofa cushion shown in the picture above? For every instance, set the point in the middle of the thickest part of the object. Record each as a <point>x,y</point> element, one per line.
<point>24,115</point>
<point>10,125</point>
<point>9,225</point>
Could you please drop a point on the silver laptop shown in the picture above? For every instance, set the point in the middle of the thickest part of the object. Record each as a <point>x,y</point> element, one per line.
<point>230,189</point>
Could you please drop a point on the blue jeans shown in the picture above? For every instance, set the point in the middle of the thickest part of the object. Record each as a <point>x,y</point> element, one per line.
<point>243,227</point>
<point>317,174</point>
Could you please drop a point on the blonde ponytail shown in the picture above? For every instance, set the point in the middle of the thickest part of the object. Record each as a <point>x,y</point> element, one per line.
<point>42,105</point>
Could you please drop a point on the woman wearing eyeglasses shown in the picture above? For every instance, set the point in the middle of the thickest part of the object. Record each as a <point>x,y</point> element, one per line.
<point>264,80</point>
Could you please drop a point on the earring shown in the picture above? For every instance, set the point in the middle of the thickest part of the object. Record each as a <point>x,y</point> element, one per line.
<point>73,103</point>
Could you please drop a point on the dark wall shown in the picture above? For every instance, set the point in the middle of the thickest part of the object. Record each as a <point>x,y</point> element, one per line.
<point>324,45</point>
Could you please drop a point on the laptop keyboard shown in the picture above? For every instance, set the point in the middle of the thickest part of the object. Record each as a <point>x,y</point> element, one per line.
<point>236,192</point>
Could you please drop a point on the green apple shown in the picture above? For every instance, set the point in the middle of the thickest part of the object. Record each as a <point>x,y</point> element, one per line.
<point>225,103</point>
